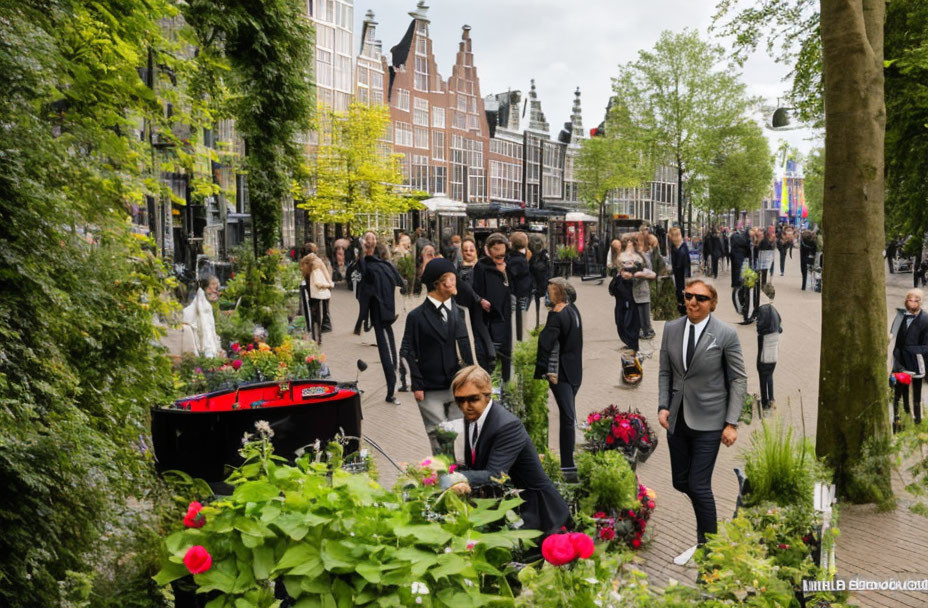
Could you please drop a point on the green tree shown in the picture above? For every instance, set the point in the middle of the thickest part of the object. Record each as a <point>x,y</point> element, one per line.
<point>814,183</point>
<point>354,175</point>
<point>852,393</point>
<point>742,173</point>
<point>907,118</point>
<point>679,96</point>
<point>267,48</point>
<point>78,372</point>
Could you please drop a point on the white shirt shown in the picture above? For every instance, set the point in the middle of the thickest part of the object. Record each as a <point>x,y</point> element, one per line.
<point>686,333</point>
<point>476,426</point>
<point>443,308</point>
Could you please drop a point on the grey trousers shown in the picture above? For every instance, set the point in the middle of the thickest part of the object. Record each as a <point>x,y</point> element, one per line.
<point>435,408</point>
<point>644,315</point>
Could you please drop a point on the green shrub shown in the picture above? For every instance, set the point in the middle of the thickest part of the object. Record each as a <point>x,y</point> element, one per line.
<point>336,538</point>
<point>779,469</point>
<point>608,482</point>
<point>527,397</point>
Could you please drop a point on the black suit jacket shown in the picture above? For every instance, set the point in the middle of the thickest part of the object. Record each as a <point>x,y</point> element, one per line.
<point>520,276</point>
<point>564,329</point>
<point>380,279</point>
<point>914,343</point>
<point>431,347</point>
<point>503,446</point>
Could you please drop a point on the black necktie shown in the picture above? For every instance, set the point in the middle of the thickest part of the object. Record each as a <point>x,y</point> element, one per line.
<point>690,346</point>
<point>443,313</point>
<point>473,446</point>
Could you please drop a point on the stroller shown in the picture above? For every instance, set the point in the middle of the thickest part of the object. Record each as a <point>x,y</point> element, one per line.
<point>817,273</point>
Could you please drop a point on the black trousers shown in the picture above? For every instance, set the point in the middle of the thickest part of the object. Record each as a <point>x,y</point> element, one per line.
<point>715,266</point>
<point>902,390</point>
<point>692,460</point>
<point>500,337</point>
<point>765,372</point>
<point>782,260</point>
<point>804,265</point>
<point>386,348</point>
<point>320,312</point>
<point>565,396</point>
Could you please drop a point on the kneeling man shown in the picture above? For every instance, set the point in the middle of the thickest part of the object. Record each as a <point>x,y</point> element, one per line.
<point>495,442</point>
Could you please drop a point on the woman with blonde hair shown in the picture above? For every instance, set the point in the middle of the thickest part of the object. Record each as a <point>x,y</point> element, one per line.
<point>318,283</point>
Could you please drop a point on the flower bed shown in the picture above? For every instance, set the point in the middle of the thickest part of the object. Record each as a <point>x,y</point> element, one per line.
<point>629,432</point>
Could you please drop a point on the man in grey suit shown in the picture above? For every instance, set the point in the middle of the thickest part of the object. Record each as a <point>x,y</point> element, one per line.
<point>701,388</point>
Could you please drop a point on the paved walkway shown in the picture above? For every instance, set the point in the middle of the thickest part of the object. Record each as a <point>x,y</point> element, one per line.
<point>872,545</point>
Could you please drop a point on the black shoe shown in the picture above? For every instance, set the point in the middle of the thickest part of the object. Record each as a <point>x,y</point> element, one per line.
<point>393,400</point>
<point>747,322</point>
<point>367,327</point>
<point>403,389</point>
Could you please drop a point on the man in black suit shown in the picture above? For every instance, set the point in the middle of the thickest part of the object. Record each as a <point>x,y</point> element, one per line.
<point>493,285</point>
<point>435,344</point>
<point>741,251</point>
<point>380,279</point>
<point>701,387</point>
<point>910,348</point>
<point>495,442</point>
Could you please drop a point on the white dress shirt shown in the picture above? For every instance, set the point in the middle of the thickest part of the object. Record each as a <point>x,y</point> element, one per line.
<point>686,334</point>
<point>476,427</point>
<point>444,309</point>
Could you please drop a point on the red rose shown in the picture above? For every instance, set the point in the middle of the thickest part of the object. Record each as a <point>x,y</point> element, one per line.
<point>236,364</point>
<point>596,417</point>
<point>651,505</point>
<point>193,518</point>
<point>606,533</point>
<point>631,513</point>
<point>250,347</point>
<point>582,543</point>
<point>558,550</point>
<point>636,542</point>
<point>198,560</point>
<point>610,439</point>
<point>599,515</point>
<point>235,347</point>
<point>782,546</point>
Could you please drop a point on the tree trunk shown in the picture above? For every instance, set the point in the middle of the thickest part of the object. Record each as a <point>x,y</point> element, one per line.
<point>852,384</point>
<point>680,194</point>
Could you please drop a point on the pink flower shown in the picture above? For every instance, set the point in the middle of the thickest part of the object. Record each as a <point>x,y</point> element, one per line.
<point>197,559</point>
<point>310,358</point>
<point>582,543</point>
<point>558,550</point>
<point>610,439</point>
<point>426,463</point>
<point>471,544</point>
<point>651,505</point>
<point>452,468</point>
<point>636,542</point>
<point>606,534</point>
<point>430,480</point>
<point>237,364</point>
<point>199,370</point>
<point>193,518</point>
<point>596,417</point>
<point>599,515</point>
<point>235,347</point>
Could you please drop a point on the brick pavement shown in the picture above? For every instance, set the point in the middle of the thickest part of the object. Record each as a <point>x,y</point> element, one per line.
<point>873,545</point>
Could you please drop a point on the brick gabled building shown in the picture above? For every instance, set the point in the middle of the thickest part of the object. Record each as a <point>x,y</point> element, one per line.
<point>438,126</point>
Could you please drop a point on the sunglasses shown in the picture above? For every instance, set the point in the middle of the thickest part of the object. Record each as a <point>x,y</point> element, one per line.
<point>463,399</point>
<point>699,297</point>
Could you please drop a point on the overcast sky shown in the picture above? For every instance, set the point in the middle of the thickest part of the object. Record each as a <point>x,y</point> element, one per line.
<point>563,44</point>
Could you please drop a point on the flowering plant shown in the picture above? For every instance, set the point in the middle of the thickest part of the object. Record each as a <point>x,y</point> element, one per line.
<point>626,526</point>
<point>562,549</point>
<point>613,429</point>
<point>748,278</point>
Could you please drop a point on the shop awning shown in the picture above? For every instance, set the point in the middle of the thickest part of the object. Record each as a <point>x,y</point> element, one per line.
<point>577,216</point>
<point>445,206</point>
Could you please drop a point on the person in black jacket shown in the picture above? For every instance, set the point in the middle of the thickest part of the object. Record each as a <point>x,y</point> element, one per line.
<point>496,443</point>
<point>713,245</point>
<point>560,361</point>
<point>435,345</point>
<point>540,266</point>
<point>808,247</point>
<point>474,304</point>
<point>909,332</point>
<point>491,283</point>
<point>741,249</point>
<point>380,280</point>
<point>769,328</point>
<point>680,265</point>
<point>520,277</point>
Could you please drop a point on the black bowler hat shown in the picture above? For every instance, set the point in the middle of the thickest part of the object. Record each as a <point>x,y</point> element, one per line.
<point>436,269</point>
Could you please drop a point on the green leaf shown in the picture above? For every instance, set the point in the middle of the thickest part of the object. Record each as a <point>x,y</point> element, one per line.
<point>170,572</point>
<point>263,561</point>
<point>308,602</point>
<point>295,556</point>
<point>336,557</point>
<point>255,491</point>
<point>449,564</point>
<point>424,534</point>
<point>220,577</point>
<point>370,572</point>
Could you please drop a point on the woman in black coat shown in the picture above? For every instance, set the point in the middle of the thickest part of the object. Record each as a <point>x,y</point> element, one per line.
<point>520,276</point>
<point>492,283</point>
<point>560,361</point>
<point>539,265</point>
<point>808,247</point>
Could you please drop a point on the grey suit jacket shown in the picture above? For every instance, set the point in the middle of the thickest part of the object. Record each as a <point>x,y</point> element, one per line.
<point>701,390</point>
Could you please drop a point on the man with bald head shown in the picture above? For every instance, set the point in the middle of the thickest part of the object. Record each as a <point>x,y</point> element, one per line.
<point>910,347</point>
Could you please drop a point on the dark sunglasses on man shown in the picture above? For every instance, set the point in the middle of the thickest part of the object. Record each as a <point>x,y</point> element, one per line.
<point>462,399</point>
<point>699,297</point>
